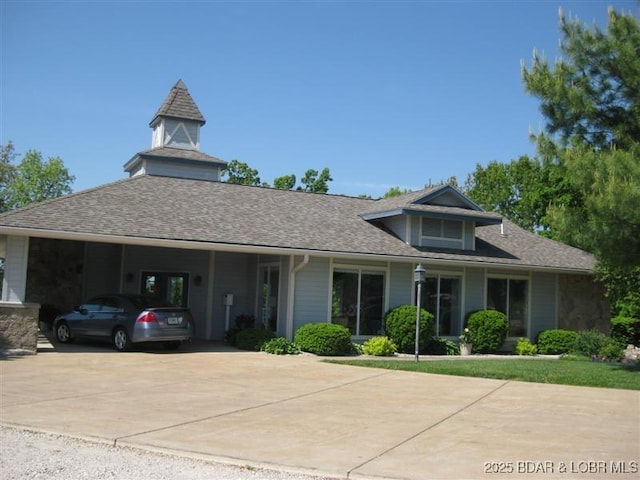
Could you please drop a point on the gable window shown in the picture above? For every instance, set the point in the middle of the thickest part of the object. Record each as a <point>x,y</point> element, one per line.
<point>440,228</point>
<point>441,233</point>
<point>173,287</point>
<point>358,301</point>
<point>510,296</point>
<point>441,297</point>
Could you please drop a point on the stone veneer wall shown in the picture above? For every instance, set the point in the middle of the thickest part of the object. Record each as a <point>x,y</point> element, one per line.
<point>19,326</point>
<point>582,304</point>
<point>54,273</point>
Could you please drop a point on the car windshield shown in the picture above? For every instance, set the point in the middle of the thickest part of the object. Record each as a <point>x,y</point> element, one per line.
<point>143,302</point>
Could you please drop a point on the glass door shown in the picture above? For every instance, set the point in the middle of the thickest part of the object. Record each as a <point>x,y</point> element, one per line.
<point>170,286</point>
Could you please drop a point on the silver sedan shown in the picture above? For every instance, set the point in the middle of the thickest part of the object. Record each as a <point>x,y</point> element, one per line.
<point>126,319</point>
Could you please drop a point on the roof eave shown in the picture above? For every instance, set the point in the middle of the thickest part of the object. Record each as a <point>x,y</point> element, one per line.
<point>264,249</point>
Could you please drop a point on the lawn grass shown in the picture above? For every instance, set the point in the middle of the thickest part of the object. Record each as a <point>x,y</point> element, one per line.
<point>580,373</point>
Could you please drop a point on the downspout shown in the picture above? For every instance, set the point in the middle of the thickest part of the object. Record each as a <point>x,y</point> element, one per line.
<point>292,288</point>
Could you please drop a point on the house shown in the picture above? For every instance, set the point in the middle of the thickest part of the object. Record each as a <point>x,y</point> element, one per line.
<point>287,257</point>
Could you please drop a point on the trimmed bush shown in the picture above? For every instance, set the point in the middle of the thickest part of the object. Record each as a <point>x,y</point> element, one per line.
<point>556,341</point>
<point>400,327</point>
<point>280,346</point>
<point>626,330</point>
<point>442,346</point>
<point>611,351</point>
<point>379,346</point>
<point>589,342</point>
<point>525,347</point>
<point>253,338</point>
<point>324,339</point>
<point>489,329</point>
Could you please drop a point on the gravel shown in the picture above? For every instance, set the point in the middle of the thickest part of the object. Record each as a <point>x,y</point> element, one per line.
<point>31,455</point>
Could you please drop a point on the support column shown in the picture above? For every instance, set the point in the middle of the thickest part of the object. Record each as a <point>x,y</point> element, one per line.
<point>18,320</point>
<point>14,284</point>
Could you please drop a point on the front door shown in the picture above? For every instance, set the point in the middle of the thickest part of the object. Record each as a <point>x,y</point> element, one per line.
<point>269,280</point>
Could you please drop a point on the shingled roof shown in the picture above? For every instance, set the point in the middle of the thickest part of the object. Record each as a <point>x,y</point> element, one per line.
<point>174,154</point>
<point>217,215</point>
<point>179,104</point>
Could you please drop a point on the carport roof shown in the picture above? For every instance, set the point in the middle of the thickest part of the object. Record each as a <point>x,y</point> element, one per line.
<point>212,215</point>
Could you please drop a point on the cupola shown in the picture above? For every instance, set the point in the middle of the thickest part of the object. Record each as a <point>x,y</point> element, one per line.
<point>175,142</point>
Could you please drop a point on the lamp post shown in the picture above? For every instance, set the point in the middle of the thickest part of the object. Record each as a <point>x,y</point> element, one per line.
<point>418,277</point>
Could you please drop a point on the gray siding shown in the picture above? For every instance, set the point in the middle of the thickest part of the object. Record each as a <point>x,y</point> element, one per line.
<point>234,273</point>
<point>398,225</point>
<point>474,290</point>
<point>102,269</point>
<point>182,170</point>
<point>543,303</point>
<point>311,293</point>
<point>401,284</point>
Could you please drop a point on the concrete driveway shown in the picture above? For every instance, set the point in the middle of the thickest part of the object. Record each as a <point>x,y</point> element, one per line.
<point>299,414</point>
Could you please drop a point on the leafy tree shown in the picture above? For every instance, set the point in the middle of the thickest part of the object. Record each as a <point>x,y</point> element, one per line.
<point>395,192</point>
<point>621,285</point>
<point>593,93</point>
<point>240,173</point>
<point>591,100</point>
<point>520,190</point>
<point>314,182</point>
<point>7,172</point>
<point>285,182</point>
<point>33,179</point>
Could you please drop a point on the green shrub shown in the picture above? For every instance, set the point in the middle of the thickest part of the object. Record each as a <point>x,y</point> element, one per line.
<point>280,346</point>
<point>556,341</point>
<point>525,347</point>
<point>356,349</point>
<point>230,336</point>
<point>626,330</point>
<point>324,339</point>
<point>611,351</point>
<point>442,346</point>
<point>400,327</point>
<point>489,329</point>
<point>253,338</point>
<point>589,342</point>
<point>379,346</point>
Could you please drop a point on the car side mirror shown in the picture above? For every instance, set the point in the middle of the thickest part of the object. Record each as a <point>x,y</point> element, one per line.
<point>81,310</point>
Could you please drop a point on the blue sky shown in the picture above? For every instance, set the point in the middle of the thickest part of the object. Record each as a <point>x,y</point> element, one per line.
<point>383,93</point>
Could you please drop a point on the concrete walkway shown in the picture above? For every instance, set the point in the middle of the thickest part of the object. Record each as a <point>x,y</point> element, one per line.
<point>299,414</point>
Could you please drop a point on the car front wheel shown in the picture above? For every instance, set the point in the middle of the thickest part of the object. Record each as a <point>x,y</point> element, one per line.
<point>121,339</point>
<point>63,332</point>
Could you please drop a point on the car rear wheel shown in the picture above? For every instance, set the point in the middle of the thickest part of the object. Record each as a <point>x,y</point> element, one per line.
<point>63,332</point>
<point>121,339</point>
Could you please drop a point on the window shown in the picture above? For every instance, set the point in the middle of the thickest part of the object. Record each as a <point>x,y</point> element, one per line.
<point>173,287</point>
<point>358,301</point>
<point>509,296</point>
<point>449,229</point>
<point>441,297</point>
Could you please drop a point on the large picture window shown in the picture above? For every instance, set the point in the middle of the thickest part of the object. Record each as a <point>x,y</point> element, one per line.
<point>509,296</point>
<point>358,301</point>
<point>441,297</point>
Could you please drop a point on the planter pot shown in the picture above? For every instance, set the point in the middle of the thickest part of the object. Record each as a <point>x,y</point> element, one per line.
<point>465,349</point>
